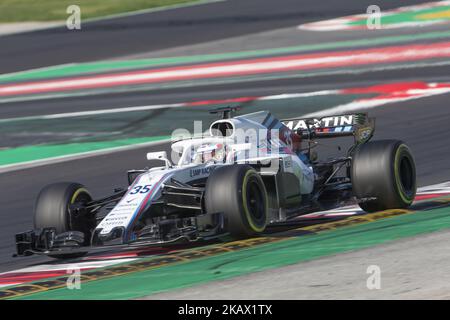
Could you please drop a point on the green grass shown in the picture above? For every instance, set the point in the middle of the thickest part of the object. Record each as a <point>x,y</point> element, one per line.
<point>55,10</point>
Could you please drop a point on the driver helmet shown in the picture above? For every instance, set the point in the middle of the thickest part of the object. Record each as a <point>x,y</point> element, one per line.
<point>210,152</point>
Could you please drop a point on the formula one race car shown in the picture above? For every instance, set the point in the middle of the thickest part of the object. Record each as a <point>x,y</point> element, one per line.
<point>246,173</point>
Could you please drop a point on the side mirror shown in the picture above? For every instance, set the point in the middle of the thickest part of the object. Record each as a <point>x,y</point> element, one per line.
<point>161,155</point>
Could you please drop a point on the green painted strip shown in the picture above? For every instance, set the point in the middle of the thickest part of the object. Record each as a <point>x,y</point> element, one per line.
<point>108,66</point>
<point>263,257</point>
<point>41,152</point>
<point>187,84</point>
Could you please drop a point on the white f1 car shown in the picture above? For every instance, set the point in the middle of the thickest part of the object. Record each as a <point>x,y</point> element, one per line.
<point>249,172</point>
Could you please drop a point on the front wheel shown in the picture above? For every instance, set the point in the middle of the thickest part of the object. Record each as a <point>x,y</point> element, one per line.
<point>383,175</point>
<point>52,210</point>
<point>239,193</point>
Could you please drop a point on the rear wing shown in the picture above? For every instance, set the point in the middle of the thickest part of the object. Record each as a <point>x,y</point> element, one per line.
<point>358,125</point>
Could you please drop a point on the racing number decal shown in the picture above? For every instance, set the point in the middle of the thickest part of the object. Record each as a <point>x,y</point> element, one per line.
<point>141,189</point>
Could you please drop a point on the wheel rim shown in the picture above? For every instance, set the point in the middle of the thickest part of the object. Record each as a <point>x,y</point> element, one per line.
<point>80,223</point>
<point>406,176</point>
<point>81,195</point>
<point>255,202</point>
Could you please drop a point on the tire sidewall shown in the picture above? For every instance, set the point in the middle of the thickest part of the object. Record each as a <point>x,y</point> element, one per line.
<point>227,192</point>
<point>401,152</point>
<point>52,205</point>
<point>255,225</point>
<point>376,173</point>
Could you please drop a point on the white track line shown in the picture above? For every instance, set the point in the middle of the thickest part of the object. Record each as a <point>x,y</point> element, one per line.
<point>355,57</point>
<point>212,81</point>
<point>159,106</point>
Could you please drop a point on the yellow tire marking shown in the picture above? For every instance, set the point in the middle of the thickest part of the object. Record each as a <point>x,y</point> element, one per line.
<point>77,193</point>
<point>247,212</point>
<point>397,175</point>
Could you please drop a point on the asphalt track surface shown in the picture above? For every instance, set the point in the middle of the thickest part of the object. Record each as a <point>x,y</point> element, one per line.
<point>422,123</point>
<point>165,29</point>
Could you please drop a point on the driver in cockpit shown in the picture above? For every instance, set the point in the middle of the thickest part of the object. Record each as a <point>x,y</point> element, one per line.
<point>214,152</point>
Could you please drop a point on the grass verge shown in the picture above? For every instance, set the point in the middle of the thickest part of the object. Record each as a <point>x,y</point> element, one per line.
<point>55,10</point>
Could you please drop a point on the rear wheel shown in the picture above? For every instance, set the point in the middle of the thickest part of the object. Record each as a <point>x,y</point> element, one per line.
<point>239,193</point>
<point>52,210</point>
<point>383,175</point>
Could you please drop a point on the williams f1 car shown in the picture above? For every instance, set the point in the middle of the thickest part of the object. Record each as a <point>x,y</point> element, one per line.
<point>246,173</point>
